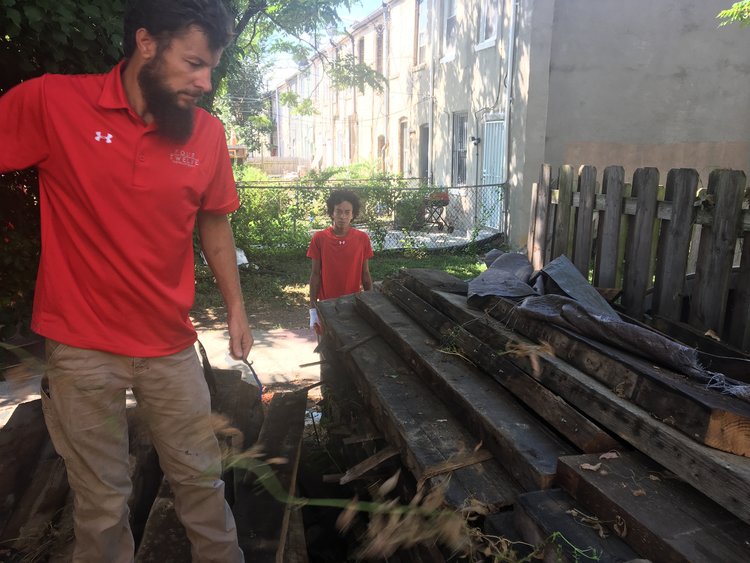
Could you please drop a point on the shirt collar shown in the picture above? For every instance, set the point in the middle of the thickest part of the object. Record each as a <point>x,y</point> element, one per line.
<point>113,93</point>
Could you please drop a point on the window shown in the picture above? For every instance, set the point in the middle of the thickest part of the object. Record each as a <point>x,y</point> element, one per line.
<point>421,31</point>
<point>379,50</point>
<point>450,28</point>
<point>458,168</point>
<point>403,145</point>
<point>488,18</point>
<point>361,50</point>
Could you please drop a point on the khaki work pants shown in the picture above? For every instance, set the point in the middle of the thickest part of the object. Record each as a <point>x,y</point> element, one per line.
<point>83,400</point>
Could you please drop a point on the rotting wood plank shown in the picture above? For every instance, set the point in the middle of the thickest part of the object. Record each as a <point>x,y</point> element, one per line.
<point>716,251</point>
<point>607,252</point>
<point>569,422</point>
<point>543,517</point>
<point>528,449</point>
<point>566,177</point>
<point>21,440</point>
<point>262,518</point>
<point>721,476</point>
<point>638,251</point>
<point>706,416</point>
<point>41,503</point>
<point>584,219</point>
<point>409,415</point>
<point>674,244</point>
<point>660,517</point>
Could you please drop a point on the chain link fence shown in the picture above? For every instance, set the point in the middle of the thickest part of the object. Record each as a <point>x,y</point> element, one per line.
<point>397,213</point>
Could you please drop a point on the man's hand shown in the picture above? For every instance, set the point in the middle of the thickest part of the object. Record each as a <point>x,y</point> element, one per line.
<point>314,321</point>
<point>240,337</point>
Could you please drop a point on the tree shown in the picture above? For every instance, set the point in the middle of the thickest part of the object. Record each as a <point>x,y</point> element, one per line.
<point>738,13</point>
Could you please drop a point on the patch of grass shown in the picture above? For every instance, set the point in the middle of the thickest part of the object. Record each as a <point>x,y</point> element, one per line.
<point>275,285</point>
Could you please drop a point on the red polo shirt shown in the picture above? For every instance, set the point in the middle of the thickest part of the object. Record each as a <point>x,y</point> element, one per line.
<point>341,261</point>
<point>118,206</point>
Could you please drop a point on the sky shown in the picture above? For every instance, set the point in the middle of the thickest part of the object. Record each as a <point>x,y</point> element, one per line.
<point>285,66</point>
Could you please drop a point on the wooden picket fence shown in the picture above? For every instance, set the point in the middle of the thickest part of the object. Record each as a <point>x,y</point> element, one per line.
<point>680,254</point>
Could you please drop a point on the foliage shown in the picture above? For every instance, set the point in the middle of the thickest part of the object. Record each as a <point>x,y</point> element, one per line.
<point>19,248</point>
<point>242,106</point>
<point>738,13</point>
<point>273,218</point>
<point>62,36</point>
<point>346,72</point>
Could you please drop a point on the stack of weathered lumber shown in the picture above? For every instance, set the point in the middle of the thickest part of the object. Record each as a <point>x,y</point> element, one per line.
<point>516,413</point>
<point>36,504</point>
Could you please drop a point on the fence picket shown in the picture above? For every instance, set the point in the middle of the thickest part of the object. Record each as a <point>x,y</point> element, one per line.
<point>638,251</point>
<point>674,244</point>
<point>716,251</point>
<point>564,205</point>
<point>539,220</point>
<point>607,257</point>
<point>739,327</point>
<point>584,219</point>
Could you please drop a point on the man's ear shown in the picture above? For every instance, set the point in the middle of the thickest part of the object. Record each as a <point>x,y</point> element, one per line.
<point>146,44</point>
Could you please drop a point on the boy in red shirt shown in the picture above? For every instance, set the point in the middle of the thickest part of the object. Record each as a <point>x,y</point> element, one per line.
<point>339,254</point>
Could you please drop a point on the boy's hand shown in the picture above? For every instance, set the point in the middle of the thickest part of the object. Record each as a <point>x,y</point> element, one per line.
<point>314,321</point>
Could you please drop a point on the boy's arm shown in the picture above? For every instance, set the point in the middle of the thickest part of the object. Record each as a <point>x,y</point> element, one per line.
<point>366,277</point>
<point>314,282</point>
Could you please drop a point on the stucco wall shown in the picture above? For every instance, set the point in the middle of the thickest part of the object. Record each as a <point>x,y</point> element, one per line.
<point>648,83</point>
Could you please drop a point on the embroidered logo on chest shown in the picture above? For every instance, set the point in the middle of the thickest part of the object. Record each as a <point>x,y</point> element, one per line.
<point>184,158</point>
<point>106,137</point>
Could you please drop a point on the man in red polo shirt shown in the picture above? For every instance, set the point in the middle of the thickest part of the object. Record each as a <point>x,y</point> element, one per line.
<point>127,164</point>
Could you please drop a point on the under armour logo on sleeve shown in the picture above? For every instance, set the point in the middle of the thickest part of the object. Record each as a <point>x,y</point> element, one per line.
<point>106,138</point>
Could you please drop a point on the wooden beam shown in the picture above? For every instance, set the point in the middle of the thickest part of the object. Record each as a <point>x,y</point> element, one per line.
<point>407,412</point>
<point>528,449</point>
<point>570,422</point>
<point>547,520</point>
<point>723,477</point>
<point>660,517</point>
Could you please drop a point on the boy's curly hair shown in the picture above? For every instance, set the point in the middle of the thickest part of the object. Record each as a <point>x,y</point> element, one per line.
<point>340,196</point>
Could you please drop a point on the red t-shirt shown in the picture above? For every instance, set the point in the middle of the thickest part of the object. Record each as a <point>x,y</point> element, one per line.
<point>118,206</point>
<point>341,261</point>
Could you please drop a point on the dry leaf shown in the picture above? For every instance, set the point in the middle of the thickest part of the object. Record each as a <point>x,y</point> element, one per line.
<point>711,334</point>
<point>609,455</point>
<point>589,467</point>
<point>654,477</point>
<point>639,493</point>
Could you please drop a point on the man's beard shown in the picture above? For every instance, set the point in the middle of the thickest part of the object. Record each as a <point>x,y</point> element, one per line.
<point>172,121</point>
